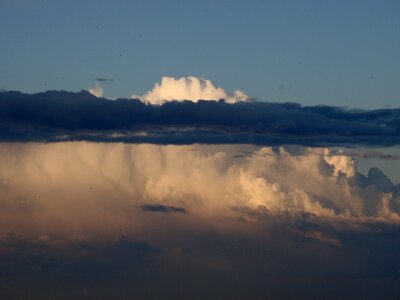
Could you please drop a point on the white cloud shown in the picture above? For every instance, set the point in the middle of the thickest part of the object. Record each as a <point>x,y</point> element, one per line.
<point>97,91</point>
<point>189,88</point>
<point>340,161</point>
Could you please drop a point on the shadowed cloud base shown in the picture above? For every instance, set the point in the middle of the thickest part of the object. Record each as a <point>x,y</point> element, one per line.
<point>63,116</point>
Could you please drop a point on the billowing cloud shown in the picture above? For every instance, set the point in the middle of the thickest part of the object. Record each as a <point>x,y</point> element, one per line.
<point>173,178</point>
<point>111,217</point>
<point>97,91</point>
<point>189,88</point>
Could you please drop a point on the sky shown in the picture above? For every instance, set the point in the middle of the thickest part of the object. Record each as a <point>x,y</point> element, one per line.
<point>340,53</point>
<point>202,182</point>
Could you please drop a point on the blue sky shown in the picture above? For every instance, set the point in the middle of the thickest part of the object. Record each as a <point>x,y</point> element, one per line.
<point>310,52</point>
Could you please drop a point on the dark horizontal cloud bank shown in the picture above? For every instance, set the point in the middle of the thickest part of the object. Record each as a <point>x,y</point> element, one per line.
<point>61,115</point>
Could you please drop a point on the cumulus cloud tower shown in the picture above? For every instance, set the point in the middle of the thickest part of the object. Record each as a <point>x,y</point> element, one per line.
<point>188,88</point>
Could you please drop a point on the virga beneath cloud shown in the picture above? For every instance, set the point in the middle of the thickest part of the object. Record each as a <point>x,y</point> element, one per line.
<point>131,216</point>
<point>46,181</point>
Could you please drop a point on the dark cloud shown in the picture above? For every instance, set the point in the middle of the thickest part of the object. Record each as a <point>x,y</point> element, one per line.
<point>60,115</point>
<point>81,258</point>
<point>162,208</point>
<point>103,79</point>
<point>369,154</point>
<point>296,265</point>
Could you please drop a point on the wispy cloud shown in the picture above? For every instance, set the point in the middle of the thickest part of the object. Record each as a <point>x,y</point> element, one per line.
<point>103,79</point>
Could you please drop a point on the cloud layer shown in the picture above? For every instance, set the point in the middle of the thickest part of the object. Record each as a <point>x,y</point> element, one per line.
<point>81,220</point>
<point>60,115</point>
<point>188,88</point>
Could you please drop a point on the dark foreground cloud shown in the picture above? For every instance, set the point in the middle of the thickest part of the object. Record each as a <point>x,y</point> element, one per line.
<point>162,208</point>
<point>60,115</point>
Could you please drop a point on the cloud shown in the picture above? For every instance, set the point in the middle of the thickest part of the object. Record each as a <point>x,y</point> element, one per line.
<point>97,91</point>
<point>69,218</point>
<point>371,154</point>
<point>340,162</point>
<point>174,179</point>
<point>188,88</point>
<point>320,236</point>
<point>103,79</point>
<point>162,208</point>
<point>86,117</point>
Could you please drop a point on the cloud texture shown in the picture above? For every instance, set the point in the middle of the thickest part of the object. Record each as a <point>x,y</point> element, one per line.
<point>81,220</point>
<point>176,179</point>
